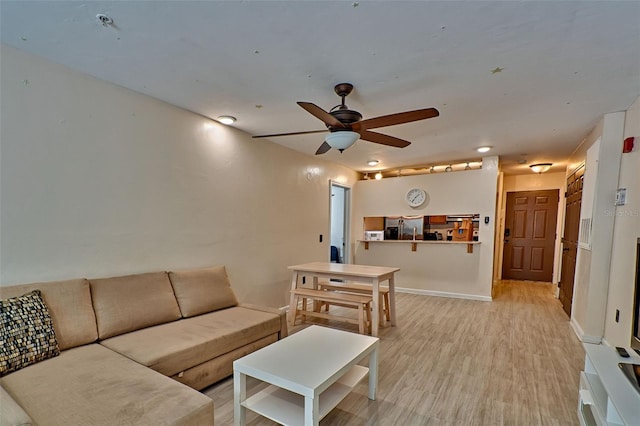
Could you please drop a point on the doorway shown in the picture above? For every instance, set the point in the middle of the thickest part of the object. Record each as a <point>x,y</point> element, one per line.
<point>570,238</point>
<point>530,235</point>
<point>339,233</point>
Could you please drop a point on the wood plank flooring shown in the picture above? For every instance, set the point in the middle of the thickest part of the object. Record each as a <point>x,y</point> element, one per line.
<point>513,361</point>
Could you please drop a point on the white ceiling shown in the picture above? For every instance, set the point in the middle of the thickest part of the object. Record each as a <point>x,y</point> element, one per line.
<point>564,64</point>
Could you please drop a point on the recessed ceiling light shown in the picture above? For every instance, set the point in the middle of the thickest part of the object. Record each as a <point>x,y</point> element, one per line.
<point>484,149</point>
<point>372,163</point>
<point>226,119</point>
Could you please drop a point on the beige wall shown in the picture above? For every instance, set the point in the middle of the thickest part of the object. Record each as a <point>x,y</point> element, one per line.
<point>591,284</point>
<point>625,235</point>
<point>534,182</point>
<point>437,269</point>
<point>97,180</point>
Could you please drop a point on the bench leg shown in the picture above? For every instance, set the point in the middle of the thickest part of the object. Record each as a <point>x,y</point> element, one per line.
<point>293,310</point>
<point>304,308</point>
<point>361,318</point>
<point>381,313</point>
<point>387,309</point>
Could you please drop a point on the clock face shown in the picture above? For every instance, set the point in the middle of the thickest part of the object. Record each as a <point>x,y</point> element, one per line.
<point>416,197</point>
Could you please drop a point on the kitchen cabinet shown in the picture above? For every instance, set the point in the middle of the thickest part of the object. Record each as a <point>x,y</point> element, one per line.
<point>437,220</point>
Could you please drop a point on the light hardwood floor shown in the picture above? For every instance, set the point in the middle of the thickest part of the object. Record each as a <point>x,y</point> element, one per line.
<point>513,361</point>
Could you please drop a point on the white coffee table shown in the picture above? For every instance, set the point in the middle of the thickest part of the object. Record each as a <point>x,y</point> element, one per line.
<point>310,371</point>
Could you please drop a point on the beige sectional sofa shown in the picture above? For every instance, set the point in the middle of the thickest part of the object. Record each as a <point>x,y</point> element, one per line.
<point>129,345</point>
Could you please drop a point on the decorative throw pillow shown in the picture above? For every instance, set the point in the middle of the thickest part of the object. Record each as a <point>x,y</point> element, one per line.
<point>26,332</point>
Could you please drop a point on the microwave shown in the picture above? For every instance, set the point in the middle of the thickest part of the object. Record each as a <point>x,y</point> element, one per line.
<point>374,235</point>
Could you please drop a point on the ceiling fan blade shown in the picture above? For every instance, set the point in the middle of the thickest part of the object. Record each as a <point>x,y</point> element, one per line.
<point>383,139</point>
<point>323,115</point>
<point>323,148</point>
<point>393,119</point>
<point>291,134</point>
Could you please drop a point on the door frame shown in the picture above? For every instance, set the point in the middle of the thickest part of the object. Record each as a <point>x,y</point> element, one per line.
<point>346,255</point>
<point>554,229</point>
<point>501,224</point>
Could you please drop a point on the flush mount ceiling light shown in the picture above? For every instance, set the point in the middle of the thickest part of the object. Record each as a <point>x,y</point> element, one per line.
<point>540,167</point>
<point>226,119</point>
<point>484,149</point>
<point>372,163</point>
<point>341,140</point>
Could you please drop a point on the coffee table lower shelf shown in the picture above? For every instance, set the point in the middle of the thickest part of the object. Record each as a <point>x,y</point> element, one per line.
<point>287,408</point>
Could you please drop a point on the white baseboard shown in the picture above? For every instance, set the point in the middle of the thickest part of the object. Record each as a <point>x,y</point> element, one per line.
<point>443,294</point>
<point>596,340</point>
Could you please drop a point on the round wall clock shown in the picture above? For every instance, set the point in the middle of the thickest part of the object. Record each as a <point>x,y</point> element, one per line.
<point>416,197</point>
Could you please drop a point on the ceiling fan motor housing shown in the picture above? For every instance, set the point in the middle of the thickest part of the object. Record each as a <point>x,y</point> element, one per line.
<point>346,117</point>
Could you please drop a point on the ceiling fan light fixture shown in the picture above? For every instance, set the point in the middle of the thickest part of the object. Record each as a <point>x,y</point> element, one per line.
<point>341,140</point>
<point>540,167</point>
<point>226,119</point>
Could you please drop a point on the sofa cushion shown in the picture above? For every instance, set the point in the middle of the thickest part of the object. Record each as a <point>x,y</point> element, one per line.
<point>175,347</point>
<point>199,291</point>
<point>132,302</point>
<point>92,385</point>
<point>73,327</point>
<point>11,413</point>
<point>26,332</point>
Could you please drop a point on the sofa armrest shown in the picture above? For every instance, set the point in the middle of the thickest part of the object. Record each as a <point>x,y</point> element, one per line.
<point>284,331</point>
<point>11,413</point>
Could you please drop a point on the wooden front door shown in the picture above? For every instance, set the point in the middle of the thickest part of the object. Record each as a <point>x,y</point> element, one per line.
<point>570,238</point>
<point>530,235</point>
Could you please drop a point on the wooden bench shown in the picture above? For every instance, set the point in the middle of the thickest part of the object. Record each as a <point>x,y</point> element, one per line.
<point>360,301</point>
<point>351,287</point>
